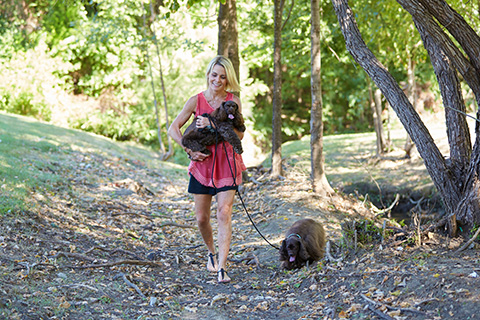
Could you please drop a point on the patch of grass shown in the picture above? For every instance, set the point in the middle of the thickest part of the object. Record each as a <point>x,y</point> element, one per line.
<point>36,157</point>
<point>351,164</point>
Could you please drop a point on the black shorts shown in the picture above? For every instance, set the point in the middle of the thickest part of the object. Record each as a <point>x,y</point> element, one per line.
<point>196,187</point>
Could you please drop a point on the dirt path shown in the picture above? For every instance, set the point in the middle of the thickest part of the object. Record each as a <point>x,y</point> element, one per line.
<point>82,254</point>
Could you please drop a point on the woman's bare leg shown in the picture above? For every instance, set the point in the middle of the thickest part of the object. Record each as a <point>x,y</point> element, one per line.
<point>224,219</point>
<point>202,213</point>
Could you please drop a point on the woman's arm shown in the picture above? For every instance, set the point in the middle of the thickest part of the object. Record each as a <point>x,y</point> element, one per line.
<point>175,128</point>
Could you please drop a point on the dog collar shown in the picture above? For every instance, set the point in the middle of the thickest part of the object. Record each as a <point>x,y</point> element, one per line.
<point>294,234</point>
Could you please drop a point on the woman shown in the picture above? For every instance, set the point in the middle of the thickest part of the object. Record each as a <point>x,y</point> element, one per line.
<point>205,180</point>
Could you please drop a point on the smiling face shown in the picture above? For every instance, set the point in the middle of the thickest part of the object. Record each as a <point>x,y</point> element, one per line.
<point>217,79</point>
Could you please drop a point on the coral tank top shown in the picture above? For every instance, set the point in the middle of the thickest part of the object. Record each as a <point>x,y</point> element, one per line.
<point>221,176</point>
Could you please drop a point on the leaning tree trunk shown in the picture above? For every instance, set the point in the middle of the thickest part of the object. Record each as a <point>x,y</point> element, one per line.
<point>412,97</point>
<point>319,179</point>
<point>228,33</point>
<point>456,180</point>
<point>446,57</point>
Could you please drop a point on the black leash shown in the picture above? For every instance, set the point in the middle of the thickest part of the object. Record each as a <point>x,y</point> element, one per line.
<point>253,223</point>
<point>234,175</point>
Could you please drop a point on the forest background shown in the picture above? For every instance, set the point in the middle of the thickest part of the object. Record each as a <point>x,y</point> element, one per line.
<point>98,66</point>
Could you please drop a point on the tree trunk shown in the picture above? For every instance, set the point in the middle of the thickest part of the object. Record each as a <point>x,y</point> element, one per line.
<point>463,165</point>
<point>228,34</point>
<point>376,106</point>
<point>412,97</point>
<point>319,179</point>
<point>277,91</point>
<point>147,56</point>
<point>456,179</point>
<point>171,150</point>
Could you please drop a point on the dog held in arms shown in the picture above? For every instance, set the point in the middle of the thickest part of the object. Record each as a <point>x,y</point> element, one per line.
<point>224,119</point>
<point>304,243</point>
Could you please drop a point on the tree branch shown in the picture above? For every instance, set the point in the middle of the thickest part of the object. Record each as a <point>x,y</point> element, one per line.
<point>410,119</point>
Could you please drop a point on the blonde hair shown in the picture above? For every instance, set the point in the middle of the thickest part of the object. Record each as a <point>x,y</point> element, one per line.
<point>232,82</point>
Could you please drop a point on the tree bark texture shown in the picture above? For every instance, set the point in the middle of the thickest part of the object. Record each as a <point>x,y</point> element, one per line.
<point>319,179</point>
<point>277,91</point>
<point>447,59</point>
<point>376,105</point>
<point>458,197</point>
<point>171,150</point>
<point>228,33</point>
<point>411,89</point>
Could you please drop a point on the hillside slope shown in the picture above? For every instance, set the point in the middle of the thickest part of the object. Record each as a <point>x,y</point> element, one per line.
<point>87,213</point>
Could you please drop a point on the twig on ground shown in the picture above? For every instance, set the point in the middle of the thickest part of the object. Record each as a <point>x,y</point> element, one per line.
<point>383,231</point>
<point>173,224</point>
<point>190,247</point>
<point>67,255</point>
<point>425,301</point>
<point>133,214</point>
<point>31,266</point>
<point>79,285</point>
<point>417,222</point>
<point>372,305</point>
<point>248,259</point>
<point>465,246</point>
<point>390,307</point>
<point>355,237</point>
<point>329,255</point>
<point>116,263</point>
<point>397,229</point>
<point>252,179</point>
<point>379,313</point>
<point>380,212</point>
<point>111,252</point>
<point>130,284</point>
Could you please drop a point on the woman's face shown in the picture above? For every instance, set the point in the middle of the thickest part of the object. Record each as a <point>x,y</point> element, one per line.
<point>217,79</point>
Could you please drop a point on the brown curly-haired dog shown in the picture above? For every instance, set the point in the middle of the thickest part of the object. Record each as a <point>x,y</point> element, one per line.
<point>304,242</point>
<point>224,119</point>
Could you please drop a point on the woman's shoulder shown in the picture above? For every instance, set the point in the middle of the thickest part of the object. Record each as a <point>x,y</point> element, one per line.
<point>194,98</point>
<point>192,102</point>
<point>235,99</point>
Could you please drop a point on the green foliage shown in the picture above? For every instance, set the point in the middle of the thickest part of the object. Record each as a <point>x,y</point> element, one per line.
<point>100,49</point>
<point>14,33</point>
<point>362,231</point>
<point>24,104</point>
<point>28,84</point>
<point>101,42</point>
<point>121,127</point>
<point>345,99</point>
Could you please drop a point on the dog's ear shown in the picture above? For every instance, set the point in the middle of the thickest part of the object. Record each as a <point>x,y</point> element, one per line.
<point>238,122</point>
<point>302,251</point>
<point>283,251</point>
<point>221,115</point>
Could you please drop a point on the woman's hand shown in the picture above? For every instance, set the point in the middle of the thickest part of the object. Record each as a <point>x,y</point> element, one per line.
<point>195,155</point>
<point>202,122</point>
